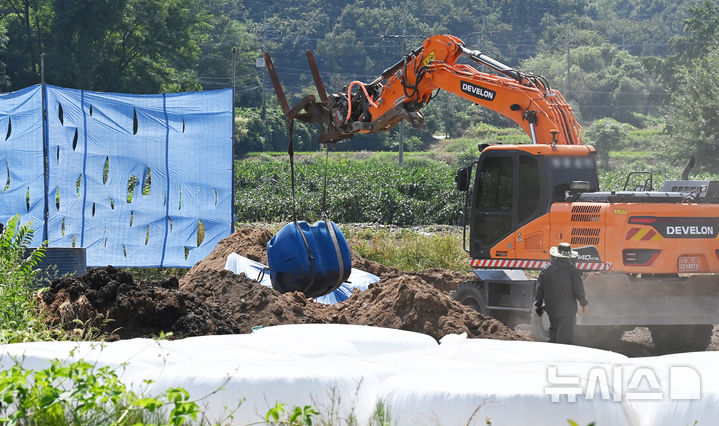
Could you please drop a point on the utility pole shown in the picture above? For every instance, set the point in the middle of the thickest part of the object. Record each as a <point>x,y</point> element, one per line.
<point>401,124</point>
<point>234,78</point>
<point>45,149</point>
<point>234,91</point>
<point>569,75</point>
<point>264,38</point>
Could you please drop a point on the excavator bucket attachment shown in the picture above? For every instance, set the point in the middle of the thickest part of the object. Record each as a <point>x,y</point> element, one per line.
<point>276,84</point>
<point>308,109</point>
<point>316,76</point>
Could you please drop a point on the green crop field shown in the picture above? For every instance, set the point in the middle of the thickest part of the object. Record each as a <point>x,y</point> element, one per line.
<point>374,189</point>
<point>369,187</point>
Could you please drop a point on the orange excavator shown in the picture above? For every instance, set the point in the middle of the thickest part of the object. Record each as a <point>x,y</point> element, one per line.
<point>650,258</point>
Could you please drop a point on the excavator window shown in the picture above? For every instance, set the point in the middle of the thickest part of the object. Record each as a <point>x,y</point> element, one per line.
<point>494,199</point>
<point>496,184</point>
<point>565,170</point>
<point>529,189</point>
<point>510,191</point>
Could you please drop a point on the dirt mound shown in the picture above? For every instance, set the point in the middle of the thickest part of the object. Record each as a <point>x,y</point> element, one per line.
<point>406,303</point>
<point>252,243</point>
<point>248,242</point>
<point>247,303</point>
<point>111,302</point>
<point>211,300</point>
<point>411,303</point>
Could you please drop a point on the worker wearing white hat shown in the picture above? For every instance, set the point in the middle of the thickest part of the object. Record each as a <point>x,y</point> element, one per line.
<point>559,288</point>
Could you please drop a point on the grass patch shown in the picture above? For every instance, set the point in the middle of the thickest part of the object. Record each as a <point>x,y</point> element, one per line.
<point>460,144</point>
<point>408,249</point>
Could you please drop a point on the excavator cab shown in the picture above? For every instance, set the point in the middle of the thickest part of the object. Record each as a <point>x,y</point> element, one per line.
<point>516,184</point>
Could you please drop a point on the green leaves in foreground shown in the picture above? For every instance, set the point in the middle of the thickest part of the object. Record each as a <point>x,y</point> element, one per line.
<point>83,394</point>
<point>19,320</point>
<point>300,416</point>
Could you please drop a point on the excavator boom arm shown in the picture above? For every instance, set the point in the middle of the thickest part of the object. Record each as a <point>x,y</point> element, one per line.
<point>403,89</point>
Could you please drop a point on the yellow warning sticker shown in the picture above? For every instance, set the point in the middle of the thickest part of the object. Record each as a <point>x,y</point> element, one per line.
<point>430,57</point>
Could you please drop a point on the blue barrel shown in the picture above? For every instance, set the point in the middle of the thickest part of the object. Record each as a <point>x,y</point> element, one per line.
<point>314,260</point>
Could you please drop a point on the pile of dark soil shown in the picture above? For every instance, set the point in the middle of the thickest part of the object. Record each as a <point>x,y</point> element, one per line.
<point>110,302</point>
<point>247,303</point>
<point>406,303</point>
<point>410,303</point>
<point>211,300</point>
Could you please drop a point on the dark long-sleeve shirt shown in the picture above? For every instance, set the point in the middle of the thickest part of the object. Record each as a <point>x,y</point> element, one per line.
<point>559,287</point>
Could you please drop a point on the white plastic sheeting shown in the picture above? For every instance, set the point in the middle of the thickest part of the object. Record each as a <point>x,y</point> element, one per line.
<point>358,279</point>
<point>345,370</point>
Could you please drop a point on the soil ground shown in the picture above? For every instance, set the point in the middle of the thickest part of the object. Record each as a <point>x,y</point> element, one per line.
<point>110,304</point>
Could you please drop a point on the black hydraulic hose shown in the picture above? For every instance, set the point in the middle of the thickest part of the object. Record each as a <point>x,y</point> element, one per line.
<point>494,64</point>
<point>394,68</point>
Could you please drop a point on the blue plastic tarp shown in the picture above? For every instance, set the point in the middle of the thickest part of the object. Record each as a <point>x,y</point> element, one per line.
<point>21,158</point>
<point>132,178</point>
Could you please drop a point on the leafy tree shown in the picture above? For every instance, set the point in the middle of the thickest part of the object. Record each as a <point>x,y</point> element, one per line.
<point>4,80</point>
<point>693,118</point>
<point>24,23</point>
<point>700,35</point>
<point>226,30</point>
<point>605,81</point>
<point>528,26</point>
<point>643,27</point>
<point>606,135</point>
<point>701,32</point>
<point>255,133</point>
<point>127,45</point>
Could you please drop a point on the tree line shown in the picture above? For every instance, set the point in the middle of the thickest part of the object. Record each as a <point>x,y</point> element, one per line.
<point>643,63</point>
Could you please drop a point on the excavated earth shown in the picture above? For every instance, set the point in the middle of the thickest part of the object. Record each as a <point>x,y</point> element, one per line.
<point>110,304</point>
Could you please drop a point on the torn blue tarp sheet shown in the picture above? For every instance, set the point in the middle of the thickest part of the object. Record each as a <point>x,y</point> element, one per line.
<point>21,158</point>
<point>358,279</point>
<point>138,180</point>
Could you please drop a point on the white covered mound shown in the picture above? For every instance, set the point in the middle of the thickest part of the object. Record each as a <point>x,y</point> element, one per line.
<point>346,370</point>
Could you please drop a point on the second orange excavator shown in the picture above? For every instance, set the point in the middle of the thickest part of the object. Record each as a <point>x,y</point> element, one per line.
<point>651,258</point>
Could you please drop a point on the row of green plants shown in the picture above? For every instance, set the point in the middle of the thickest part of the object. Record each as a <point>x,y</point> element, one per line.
<point>421,192</point>
<point>373,188</point>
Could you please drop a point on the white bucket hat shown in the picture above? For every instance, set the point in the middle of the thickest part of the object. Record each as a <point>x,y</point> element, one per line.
<point>563,250</point>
